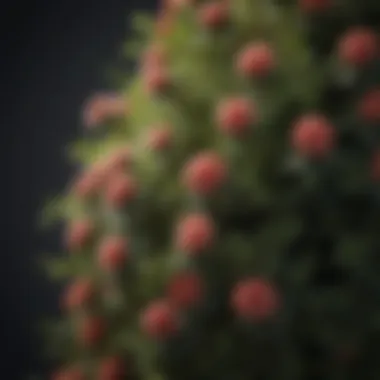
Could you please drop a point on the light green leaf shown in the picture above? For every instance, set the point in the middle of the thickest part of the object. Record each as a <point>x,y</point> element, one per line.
<point>142,23</point>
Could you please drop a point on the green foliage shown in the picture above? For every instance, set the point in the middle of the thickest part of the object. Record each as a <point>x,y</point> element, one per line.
<point>282,217</point>
<point>64,269</point>
<point>142,24</point>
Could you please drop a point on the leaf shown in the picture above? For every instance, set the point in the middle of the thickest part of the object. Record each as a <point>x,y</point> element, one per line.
<point>127,338</point>
<point>133,48</point>
<point>153,272</point>
<point>86,152</point>
<point>83,151</point>
<point>118,77</point>
<point>271,240</point>
<point>64,267</point>
<point>352,251</point>
<point>52,212</point>
<point>58,269</point>
<point>142,23</point>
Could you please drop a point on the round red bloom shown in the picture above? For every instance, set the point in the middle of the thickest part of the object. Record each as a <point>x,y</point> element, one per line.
<point>159,320</point>
<point>254,299</point>
<point>185,290</point>
<point>119,160</point>
<point>234,116</point>
<point>256,60</point>
<point>205,173</point>
<point>89,183</point>
<point>154,58</point>
<point>78,294</point>
<point>91,331</point>
<point>369,106</point>
<point>113,253</point>
<point>121,189</point>
<point>174,5</point>
<point>102,107</point>
<point>213,14</point>
<point>160,138</point>
<point>79,234</point>
<point>315,6</point>
<point>313,136</point>
<point>69,374</point>
<point>111,368</point>
<point>163,24</point>
<point>195,233</point>
<point>358,46</point>
<point>156,80</point>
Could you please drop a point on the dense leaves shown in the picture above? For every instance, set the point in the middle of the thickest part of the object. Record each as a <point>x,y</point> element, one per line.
<point>252,129</point>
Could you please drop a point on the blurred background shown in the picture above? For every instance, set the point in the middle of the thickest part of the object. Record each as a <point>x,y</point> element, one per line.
<point>53,55</point>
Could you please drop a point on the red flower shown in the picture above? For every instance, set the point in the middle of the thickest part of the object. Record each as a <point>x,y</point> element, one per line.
<point>159,320</point>
<point>91,331</point>
<point>235,115</point>
<point>313,136</point>
<point>156,80</point>
<point>79,234</point>
<point>78,294</point>
<point>111,368</point>
<point>164,24</point>
<point>314,6</point>
<point>154,58</point>
<point>195,233</point>
<point>174,5</point>
<point>369,106</point>
<point>102,107</point>
<point>213,14</point>
<point>89,183</point>
<point>205,173</point>
<point>120,190</point>
<point>113,253</point>
<point>185,290</point>
<point>118,161</point>
<point>160,138</point>
<point>68,374</point>
<point>256,60</point>
<point>358,47</point>
<point>254,299</point>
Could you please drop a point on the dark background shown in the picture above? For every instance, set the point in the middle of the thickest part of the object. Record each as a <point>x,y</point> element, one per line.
<point>53,55</point>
